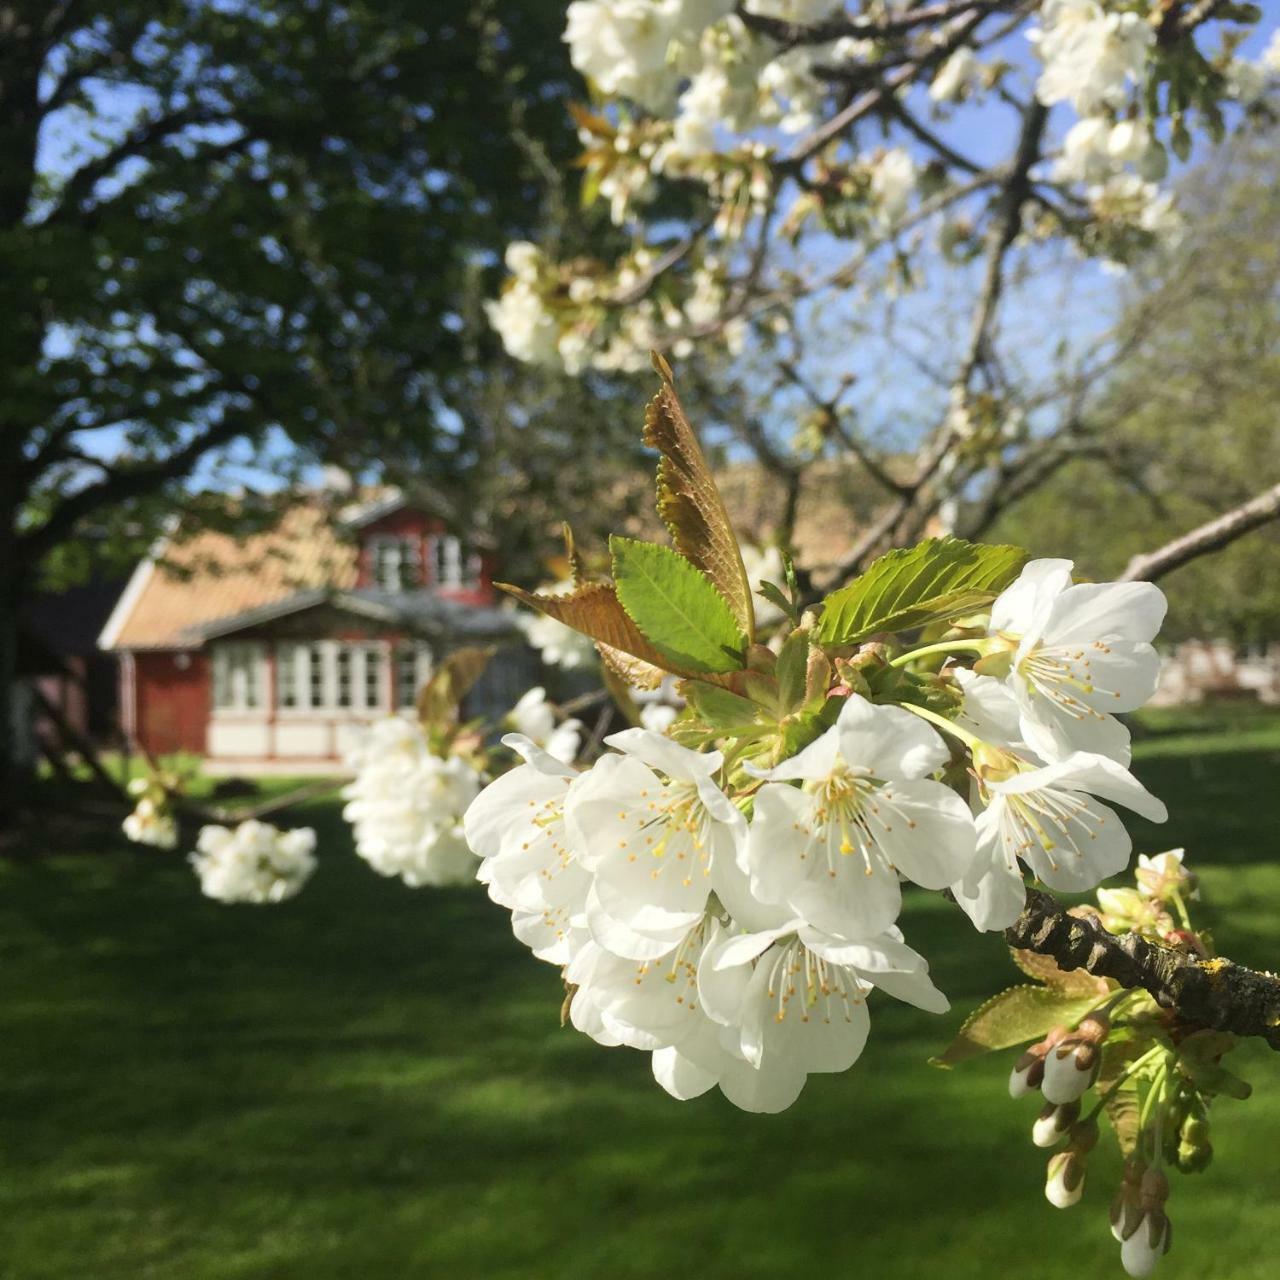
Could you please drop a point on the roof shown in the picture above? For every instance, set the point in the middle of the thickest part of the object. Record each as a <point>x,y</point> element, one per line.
<point>188,582</point>
<point>419,611</point>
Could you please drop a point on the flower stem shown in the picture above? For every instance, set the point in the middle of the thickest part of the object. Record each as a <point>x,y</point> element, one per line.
<point>949,726</point>
<point>943,646</point>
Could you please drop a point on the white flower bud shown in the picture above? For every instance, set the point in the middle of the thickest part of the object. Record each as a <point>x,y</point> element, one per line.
<point>1052,1124</point>
<point>1027,1074</point>
<point>1069,1070</point>
<point>1065,1183</point>
<point>1140,1252</point>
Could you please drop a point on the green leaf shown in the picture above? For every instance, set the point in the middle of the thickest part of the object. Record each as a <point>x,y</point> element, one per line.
<point>1122,1111</point>
<point>718,708</point>
<point>911,587</point>
<point>1069,982</point>
<point>1014,1017</point>
<point>676,607</point>
<point>792,670</point>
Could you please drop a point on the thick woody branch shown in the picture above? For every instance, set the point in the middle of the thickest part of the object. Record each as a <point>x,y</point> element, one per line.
<point>1214,994</point>
<point>1213,536</point>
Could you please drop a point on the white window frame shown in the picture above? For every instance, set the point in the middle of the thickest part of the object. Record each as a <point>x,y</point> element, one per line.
<point>303,662</point>
<point>422,666</point>
<point>391,555</point>
<point>239,678</point>
<point>452,563</point>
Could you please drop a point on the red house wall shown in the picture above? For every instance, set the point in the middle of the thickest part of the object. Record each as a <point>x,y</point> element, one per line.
<point>172,692</point>
<point>414,524</point>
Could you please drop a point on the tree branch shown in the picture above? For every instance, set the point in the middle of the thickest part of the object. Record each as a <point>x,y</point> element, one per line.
<point>1213,536</point>
<point>1217,994</point>
<point>125,483</point>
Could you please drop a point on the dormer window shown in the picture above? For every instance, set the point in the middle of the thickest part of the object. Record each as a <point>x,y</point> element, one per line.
<point>453,564</point>
<point>396,563</point>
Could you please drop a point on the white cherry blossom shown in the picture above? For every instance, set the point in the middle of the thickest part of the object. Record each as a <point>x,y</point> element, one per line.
<point>1051,817</point>
<point>254,862</point>
<point>516,826</point>
<point>534,718</point>
<point>406,805</point>
<point>1090,56</point>
<point>1079,653</point>
<point>151,824</point>
<point>957,77</point>
<point>832,849</point>
<point>521,319</point>
<point>658,836</point>
<point>559,645</point>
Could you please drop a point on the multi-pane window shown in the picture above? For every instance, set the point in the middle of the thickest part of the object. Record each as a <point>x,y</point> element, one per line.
<point>453,564</point>
<point>329,675</point>
<point>238,669</point>
<point>287,663</point>
<point>412,667</point>
<point>373,676</point>
<point>397,564</point>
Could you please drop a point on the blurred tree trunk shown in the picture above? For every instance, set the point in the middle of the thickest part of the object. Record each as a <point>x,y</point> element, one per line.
<point>21,339</point>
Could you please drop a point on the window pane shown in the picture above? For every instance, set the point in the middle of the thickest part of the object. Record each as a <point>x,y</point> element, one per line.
<point>249,666</point>
<point>315,682</point>
<point>343,660</point>
<point>373,678</point>
<point>406,675</point>
<point>221,679</point>
<point>287,675</point>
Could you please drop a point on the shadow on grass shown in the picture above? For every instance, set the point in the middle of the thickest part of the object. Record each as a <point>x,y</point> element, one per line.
<point>371,1081</point>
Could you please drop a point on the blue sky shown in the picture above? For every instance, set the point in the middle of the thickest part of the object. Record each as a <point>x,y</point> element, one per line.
<point>1079,305</point>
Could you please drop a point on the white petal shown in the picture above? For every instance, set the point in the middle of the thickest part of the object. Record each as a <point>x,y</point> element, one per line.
<point>777,841</point>
<point>680,1077</point>
<point>1017,607</point>
<point>912,988</point>
<point>1084,771</point>
<point>621,939</point>
<point>534,755</point>
<point>1094,610</point>
<point>888,741</point>
<point>660,752</point>
<point>989,710</point>
<point>763,1092</point>
<point>927,832</point>
<point>810,764</point>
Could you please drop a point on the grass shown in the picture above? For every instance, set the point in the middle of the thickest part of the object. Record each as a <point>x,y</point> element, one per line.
<point>370,1082</point>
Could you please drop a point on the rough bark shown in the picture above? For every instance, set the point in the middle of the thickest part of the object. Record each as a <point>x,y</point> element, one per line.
<point>1216,994</point>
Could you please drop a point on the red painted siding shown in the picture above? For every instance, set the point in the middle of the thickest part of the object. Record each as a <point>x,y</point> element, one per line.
<point>415,524</point>
<point>172,691</point>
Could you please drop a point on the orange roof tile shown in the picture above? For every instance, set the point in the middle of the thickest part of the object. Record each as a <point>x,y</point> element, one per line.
<point>213,575</point>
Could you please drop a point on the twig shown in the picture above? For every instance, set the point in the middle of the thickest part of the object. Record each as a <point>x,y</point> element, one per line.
<point>221,813</point>
<point>1213,536</point>
<point>1215,994</point>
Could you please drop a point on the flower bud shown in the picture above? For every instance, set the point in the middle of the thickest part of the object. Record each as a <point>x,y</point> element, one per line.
<point>1027,1074</point>
<point>1126,1208</point>
<point>1053,1122</point>
<point>1084,1136</point>
<point>1065,1182</point>
<point>1194,1158</point>
<point>1069,1070</point>
<point>1148,1243</point>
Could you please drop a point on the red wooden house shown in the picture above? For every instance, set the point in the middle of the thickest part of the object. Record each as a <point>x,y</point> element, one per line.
<point>263,654</point>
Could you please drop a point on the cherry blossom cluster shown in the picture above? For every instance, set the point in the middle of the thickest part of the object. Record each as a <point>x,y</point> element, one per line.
<point>730,911</point>
<point>1153,1077</point>
<point>732,100</point>
<point>152,821</point>
<point>253,862</point>
<point>406,803</point>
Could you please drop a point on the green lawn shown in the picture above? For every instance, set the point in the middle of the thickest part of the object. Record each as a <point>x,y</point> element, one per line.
<point>371,1082</point>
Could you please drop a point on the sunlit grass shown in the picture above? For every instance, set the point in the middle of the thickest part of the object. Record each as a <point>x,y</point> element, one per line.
<point>371,1081</point>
